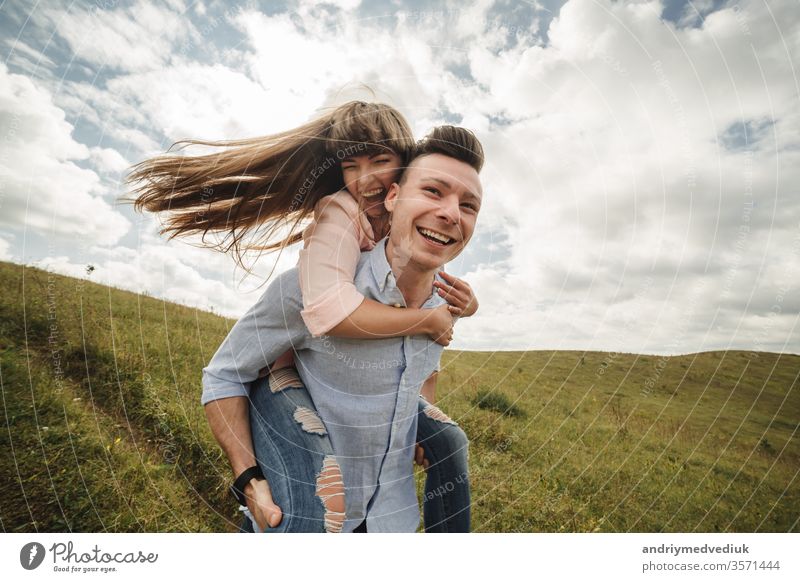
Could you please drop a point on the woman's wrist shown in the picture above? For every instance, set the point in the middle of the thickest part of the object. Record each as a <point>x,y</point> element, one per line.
<point>421,322</point>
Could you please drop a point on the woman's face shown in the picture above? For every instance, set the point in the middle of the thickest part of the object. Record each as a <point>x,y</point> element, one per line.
<point>368,177</point>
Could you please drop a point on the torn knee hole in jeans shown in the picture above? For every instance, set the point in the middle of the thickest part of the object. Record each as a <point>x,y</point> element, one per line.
<point>309,420</point>
<point>436,413</point>
<point>330,489</point>
<point>284,378</point>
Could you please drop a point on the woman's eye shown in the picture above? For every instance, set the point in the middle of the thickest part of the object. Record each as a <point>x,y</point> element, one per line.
<point>432,190</point>
<point>470,206</point>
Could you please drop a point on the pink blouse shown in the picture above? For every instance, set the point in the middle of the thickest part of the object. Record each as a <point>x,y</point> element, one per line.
<point>332,246</point>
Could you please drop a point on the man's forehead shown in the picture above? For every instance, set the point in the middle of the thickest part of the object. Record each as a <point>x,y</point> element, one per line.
<point>446,170</point>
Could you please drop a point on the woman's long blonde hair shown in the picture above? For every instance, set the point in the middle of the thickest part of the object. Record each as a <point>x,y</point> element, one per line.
<point>256,187</point>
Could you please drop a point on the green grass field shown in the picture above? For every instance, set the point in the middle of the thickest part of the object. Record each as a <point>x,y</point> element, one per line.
<point>104,430</point>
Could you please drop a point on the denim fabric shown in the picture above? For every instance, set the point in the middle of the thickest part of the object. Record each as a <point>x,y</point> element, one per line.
<point>291,459</point>
<point>446,502</point>
<point>366,391</point>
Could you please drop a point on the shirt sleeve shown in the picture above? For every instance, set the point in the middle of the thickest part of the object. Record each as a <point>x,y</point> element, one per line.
<point>328,261</point>
<point>269,328</point>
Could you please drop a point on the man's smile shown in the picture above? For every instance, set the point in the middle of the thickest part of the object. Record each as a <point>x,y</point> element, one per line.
<point>435,237</point>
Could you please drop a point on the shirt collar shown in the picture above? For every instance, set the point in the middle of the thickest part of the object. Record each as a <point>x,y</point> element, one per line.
<point>383,274</point>
<point>379,264</point>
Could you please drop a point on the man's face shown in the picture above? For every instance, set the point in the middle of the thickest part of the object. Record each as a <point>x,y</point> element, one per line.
<point>434,210</point>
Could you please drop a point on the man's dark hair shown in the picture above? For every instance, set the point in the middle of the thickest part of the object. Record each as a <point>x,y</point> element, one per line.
<point>454,142</point>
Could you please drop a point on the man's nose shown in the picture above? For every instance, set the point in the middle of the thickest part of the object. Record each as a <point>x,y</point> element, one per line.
<point>449,209</point>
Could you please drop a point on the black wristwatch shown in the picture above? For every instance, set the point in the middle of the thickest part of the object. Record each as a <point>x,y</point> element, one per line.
<point>237,489</point>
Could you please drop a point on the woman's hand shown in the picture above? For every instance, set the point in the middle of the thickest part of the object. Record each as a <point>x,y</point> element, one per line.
<point>457,293</point>
<point>260,504</point>
<point>439,323</point>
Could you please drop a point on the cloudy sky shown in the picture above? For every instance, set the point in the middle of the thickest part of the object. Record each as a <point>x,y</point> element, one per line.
<point>642,188</point>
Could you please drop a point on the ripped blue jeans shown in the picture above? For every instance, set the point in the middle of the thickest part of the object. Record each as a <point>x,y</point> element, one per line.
<point>292,447</point>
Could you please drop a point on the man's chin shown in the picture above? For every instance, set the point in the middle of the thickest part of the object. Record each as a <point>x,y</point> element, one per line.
<point>427,261</point>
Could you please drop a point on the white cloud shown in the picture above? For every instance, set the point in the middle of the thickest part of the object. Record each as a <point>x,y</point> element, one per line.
<point>614,176</point>
<point>330,60</point>
<point>175,271</point>
<point>28,58</point>
<point>108,160</point>
<point>44,188</point>
<point>341,4</point>
<point>117,118</point>
<point>199,101</point>
<point>132,38</point>
<point>5,250</point>
<point>213,101</point>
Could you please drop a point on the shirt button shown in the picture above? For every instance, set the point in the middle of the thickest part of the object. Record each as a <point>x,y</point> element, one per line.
<point>396,305</point>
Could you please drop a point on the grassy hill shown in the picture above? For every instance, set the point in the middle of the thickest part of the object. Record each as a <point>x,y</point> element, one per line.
<point>105,432</point>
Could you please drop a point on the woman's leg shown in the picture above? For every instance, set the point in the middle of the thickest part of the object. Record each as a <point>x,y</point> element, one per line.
<point>292,447</point>
<point>446,505</point>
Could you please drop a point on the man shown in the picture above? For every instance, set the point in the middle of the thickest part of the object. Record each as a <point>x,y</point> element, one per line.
<point>362,394</point>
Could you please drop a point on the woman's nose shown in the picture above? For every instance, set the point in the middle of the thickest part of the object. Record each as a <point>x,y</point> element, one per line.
<point>364,178</point>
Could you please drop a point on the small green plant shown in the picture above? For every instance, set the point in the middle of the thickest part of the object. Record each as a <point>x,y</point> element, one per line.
<point>497,401</point>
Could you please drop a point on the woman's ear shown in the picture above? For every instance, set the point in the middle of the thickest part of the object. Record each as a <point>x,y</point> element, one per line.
<point>391,197</point>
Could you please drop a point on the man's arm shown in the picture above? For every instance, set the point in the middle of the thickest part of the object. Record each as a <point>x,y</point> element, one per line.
<point>269,328</point>
<point>229,419</point>
<point>266,331</point>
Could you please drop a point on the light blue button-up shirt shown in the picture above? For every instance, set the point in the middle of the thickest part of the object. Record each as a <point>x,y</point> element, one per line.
<point>365,391</point>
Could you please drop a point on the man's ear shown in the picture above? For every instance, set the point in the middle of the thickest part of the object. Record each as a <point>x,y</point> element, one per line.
<point>391,197</point>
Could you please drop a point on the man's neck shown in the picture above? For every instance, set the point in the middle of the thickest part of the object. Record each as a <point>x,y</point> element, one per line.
<point>416,285</point>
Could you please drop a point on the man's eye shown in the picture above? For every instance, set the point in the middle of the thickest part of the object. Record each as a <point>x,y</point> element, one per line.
<point>470,206</point>
<point>432,190</point>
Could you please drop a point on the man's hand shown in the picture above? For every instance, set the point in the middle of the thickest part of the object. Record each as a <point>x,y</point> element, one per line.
<point>260,504</point>
<point>419,457</point>
<point>440,323</point>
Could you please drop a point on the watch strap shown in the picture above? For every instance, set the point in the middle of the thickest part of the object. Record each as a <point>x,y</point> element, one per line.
<point>237,489</point>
